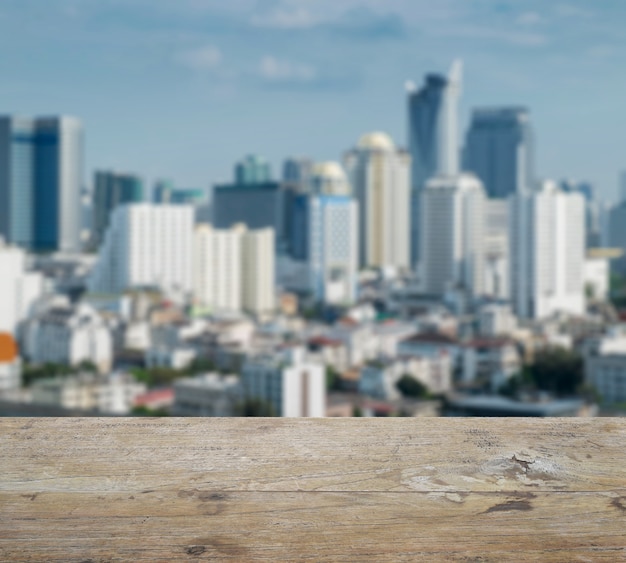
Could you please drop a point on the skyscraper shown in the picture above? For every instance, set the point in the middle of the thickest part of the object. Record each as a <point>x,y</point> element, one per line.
<point>40,182</point>
<point>296,171</point>
<point>433,137</point>
<point>453,238</point>
<point>113,189</point>
<point>380,176</point>
<point>332,225</point>
<point>622,186</point>
<point>499,150</point>
<point>252,169</point>
<point>328,178</point>
<point>547,237</point>
<point>162,192</point>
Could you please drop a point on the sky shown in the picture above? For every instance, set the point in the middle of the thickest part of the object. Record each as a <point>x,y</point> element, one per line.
<point>181,89</point>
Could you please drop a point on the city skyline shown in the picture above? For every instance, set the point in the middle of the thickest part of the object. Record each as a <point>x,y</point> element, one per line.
<point>173,91</point>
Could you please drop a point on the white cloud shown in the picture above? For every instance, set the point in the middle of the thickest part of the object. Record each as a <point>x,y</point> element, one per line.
<point>298,18</point>
<point>530,19</point>
<point>204,58</point>
<point>278,70</point>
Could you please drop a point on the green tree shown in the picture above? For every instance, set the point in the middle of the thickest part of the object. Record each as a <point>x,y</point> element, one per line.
<point>357,411</point>
<point>146,411</point>
<point>333,380</point>
<point>558,370</point>
<point>411,387</point>
<point>256,407</point>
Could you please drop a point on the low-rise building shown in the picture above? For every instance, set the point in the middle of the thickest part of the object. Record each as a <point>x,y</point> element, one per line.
<point>496,319</point>
<point>209,394</point>
<point>493,360</point>
<point>605,365</point>
<point>379,378</point>
<point>430,345</point>
<point>70,335</point>
<point>293,386</point>
<point>113,394</point>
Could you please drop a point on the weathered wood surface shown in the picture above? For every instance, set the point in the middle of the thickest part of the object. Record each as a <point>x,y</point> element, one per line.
<point>466,490</point>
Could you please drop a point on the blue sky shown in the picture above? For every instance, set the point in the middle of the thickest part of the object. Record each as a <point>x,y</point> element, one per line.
<point>183,88</point>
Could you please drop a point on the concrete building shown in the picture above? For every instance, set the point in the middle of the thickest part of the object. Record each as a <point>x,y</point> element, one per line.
<point>146,245</point>
<point>210,394</point>
<point>605,365</point>
<point>333,248</point>
<point>253,169</point>
<point>496,320</point>
<point>294,387</point>
<point>258,271</point>
<point>453,238</point>
<point>296,172</point>
<point>433,138</point>
<point>41,175</point>
<point>547,239</point>
<point>66,335</point>
<point>112,395</point>
<point>499,150</point>
<point>490,360</point>
<point>380,177</point>
<point>162,192</point>
<point>379,378</point>
<point>617,235</point>
<point>497,247</point>
<point>10,364</point>
<point>111,190</point>
<point>598,274</point>
<point>19,288</point>
<point>217,268</point>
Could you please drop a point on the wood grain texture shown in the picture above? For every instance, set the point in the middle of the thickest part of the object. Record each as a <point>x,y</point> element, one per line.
<point>467,490</point>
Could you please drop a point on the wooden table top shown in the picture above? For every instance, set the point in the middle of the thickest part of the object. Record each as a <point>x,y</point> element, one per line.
<point>402,489</point>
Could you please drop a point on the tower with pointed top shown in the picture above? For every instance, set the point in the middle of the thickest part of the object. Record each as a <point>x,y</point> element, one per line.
<point>433,137</point>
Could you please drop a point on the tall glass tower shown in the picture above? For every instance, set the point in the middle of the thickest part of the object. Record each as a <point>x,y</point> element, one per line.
<point>40,182</point>
<point>499,150</point>
<point>433,137</point>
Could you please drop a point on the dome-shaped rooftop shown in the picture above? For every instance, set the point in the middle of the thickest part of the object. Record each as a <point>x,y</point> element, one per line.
<point>330,170</point>
<point>376,141</point>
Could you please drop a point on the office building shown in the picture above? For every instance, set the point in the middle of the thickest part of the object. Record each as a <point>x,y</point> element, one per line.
<point>547,256</point>
<point>189,196</point>
<point>162,192</point>
<point>113,189</point>
<point>593,210</point>
<point>146,245</point>
<point>332,224</point>
<point>453,235</point>
<point>433,137</point>
<point>379,174</point>
<point>19,288</point>
<point>605,365</point>
<point>234,269</point>
<point>499,150</point>
<point>40,182</point>
<point>296,172</point>
<point>287,382</point>
<point>252,169</point>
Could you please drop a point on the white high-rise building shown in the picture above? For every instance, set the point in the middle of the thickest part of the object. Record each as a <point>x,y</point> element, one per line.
<point>547,240</point>
<point>19,289</point>
<point>217,268</point>
<point>453,237</point>
<point>497,248</point>
<point>381,179</point>
<point>146,245</point>
<point>234,269</point>
<point>258,271</point>
<point>333,248</point>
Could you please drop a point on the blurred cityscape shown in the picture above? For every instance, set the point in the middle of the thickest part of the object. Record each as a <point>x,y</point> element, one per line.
<point>436,275</point>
